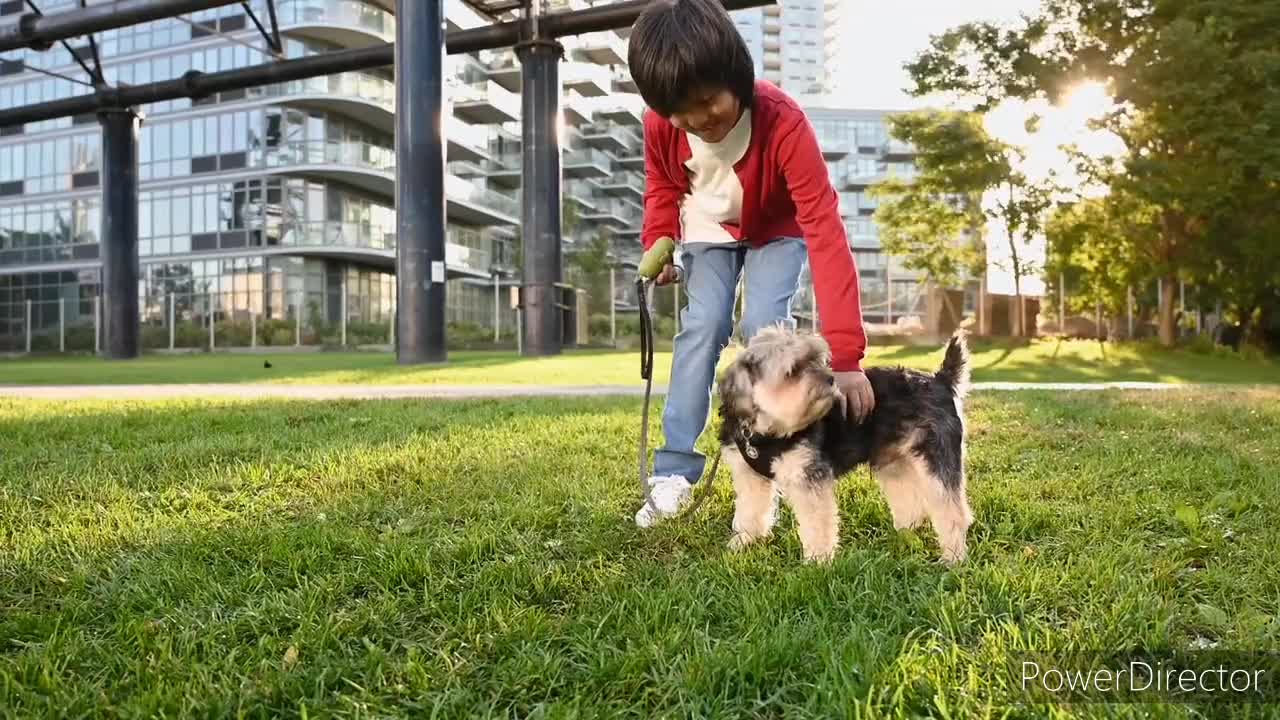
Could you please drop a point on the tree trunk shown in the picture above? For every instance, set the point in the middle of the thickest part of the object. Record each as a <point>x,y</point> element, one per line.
<point>1168,293</point>
<point>1016,315</point>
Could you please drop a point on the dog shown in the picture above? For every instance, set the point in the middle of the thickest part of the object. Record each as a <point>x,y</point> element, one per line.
<point>784,435</point>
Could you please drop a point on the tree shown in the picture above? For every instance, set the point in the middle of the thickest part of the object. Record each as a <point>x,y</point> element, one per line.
<point>966,178</point>
<point>1196,108</point>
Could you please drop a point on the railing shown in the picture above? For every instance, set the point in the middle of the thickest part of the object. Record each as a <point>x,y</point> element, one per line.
<point>333,152</point>
<point>461,190</point>
<point>337,12</point>
<point>630,180</point>
<point>589,157</point>
<point>360,85</point>
<point>484,92</point>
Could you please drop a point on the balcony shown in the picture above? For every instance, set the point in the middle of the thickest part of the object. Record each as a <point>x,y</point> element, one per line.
<point>587,164</point>
<point>617,214</point>
<point>623,82</point>
<point>506,71</point>
<point>473,204</point>
<point>604,48</point>
<point>587,79</point>
<point>466,142</point>
<point>603,136</point>
<point>628,115</point>
<point>372,168</point>
<point>345,23</point>
<point>364,96</point>
<point>834,149</point>
<point>576,109</point>
<point>623,185</point>
<point>485,103</point>
<point>506,173</point>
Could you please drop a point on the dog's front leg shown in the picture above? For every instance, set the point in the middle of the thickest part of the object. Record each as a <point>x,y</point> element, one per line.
<point>809,486</point>
<point>755,502</point>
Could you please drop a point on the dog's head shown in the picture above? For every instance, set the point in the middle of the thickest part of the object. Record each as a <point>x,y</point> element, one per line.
<point>779,384</point>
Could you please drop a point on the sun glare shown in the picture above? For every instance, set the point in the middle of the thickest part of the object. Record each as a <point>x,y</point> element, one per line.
<point>1055,126</point>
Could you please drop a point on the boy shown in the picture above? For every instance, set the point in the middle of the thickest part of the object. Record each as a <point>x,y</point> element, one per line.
<point>735,175</point>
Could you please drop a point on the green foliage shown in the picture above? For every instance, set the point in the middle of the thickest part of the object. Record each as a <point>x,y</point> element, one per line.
<point>1198,112</point>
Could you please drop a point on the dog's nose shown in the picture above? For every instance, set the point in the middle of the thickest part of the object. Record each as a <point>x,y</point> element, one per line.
<point>831,380</point>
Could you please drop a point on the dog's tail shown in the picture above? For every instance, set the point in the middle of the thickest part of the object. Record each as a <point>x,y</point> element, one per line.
<point>954,372</point>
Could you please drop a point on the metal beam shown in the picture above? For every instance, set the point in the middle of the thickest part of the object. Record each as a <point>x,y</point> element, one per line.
<point>39,32</point>
<point>197,84</point>
<point>420,218</point>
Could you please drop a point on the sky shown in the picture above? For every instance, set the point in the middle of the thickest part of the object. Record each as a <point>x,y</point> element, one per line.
<point>879,36</point>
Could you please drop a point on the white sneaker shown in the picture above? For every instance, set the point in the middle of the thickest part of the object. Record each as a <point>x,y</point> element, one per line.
<point>669,494</point>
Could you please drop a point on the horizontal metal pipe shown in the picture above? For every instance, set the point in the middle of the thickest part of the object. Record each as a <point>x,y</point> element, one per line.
<point>197,84</point>
<point>33,30</point>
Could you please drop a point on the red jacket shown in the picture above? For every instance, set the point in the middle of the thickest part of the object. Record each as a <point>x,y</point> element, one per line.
<point>786,192</point>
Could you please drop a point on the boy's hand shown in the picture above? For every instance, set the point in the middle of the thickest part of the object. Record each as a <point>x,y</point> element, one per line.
<point>858,398</point>
<point>667,276</point>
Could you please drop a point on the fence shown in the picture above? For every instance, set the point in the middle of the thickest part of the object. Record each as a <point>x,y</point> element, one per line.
<point>193,321</point>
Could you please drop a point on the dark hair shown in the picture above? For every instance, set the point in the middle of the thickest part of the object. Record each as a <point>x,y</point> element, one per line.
<point>678,46</point>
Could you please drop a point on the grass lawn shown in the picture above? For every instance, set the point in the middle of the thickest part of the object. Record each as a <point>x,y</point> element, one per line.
<point>464,559</point>
<point>1045,360</point>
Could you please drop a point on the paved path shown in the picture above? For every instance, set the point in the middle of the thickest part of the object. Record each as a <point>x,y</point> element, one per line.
<point>352,391</point>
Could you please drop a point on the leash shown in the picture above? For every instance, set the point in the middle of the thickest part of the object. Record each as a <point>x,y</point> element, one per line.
<point>646,374</point>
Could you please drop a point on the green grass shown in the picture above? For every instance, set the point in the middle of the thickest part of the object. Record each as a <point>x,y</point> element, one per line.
<point>409,559</point>
<point>1045,360</point>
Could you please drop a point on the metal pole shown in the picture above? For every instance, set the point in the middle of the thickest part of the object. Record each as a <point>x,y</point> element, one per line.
<point>391,328</point>
<point>297,322</point>
<point>97,323</point>
<point>39,32</point>
<point>342,310</point>
<point>613,306</point>
<point>540,211</point>
<point>28,327</point>
<point>62,325</point>
<point>519,330</point>
<point>253,329</point>
<point>120,231</point>
<point>813,306</point>
<point>209,312</point>
<point>497,319</point>
<point>420,247</point>
<point>171,324</point>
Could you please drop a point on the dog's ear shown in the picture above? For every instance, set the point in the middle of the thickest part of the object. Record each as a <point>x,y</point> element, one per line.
<point>733,385</point>
<point>818,348</point>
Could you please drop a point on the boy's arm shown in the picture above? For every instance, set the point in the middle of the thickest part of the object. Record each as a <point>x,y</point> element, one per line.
<point>661,196</point>
<point>835,276</point>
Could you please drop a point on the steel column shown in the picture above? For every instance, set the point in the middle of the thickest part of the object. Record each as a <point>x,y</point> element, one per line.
<point>540,190</point>
<point>420,218</point>
<point>120,232</point>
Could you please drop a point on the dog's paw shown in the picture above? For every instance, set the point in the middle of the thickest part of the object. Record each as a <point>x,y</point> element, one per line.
<point>821,557</point>
<point>741,540</point>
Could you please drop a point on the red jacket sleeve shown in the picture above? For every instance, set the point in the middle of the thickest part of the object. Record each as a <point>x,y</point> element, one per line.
<point>835,276</point>
<point>661,195</point>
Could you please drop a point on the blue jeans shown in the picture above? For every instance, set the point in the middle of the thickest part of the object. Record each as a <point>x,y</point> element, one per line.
<point>710,277</point>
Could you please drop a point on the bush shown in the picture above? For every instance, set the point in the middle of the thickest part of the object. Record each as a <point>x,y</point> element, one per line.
<point>275,332</point>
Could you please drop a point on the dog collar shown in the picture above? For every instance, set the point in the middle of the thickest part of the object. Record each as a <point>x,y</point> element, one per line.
<point>759,451</point>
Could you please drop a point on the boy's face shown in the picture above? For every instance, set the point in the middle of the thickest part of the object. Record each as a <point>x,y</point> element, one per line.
<point>709,114</point>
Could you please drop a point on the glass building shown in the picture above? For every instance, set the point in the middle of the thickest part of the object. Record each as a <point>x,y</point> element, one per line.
<point>788,44</point>
<point>274,205</point>
<point>278,202</point>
